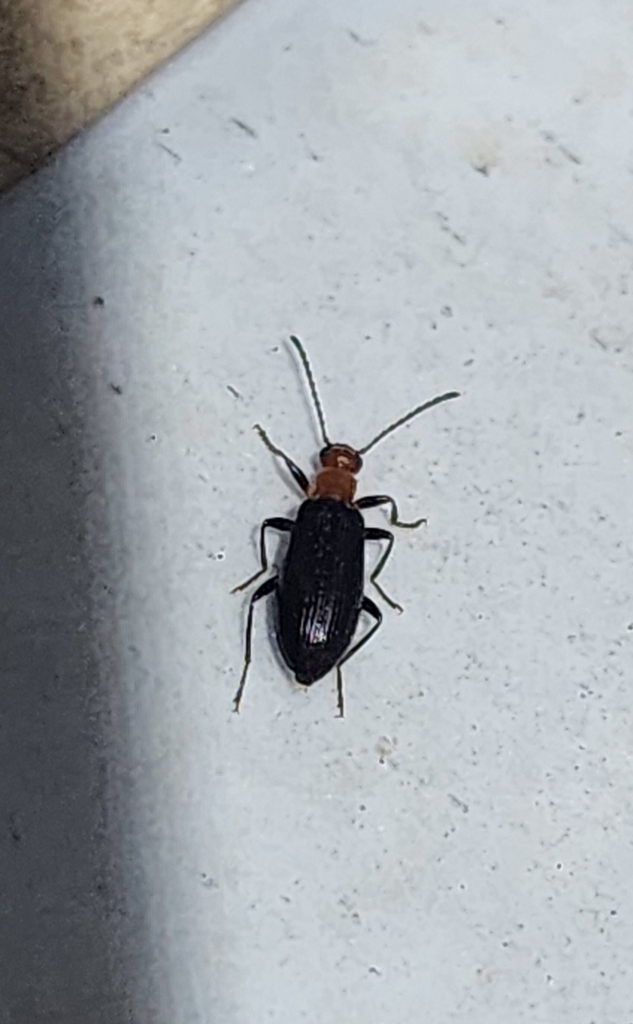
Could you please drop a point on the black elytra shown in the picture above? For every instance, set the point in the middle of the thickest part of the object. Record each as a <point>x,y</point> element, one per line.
<point>314,631</point>
<point>319,588</point>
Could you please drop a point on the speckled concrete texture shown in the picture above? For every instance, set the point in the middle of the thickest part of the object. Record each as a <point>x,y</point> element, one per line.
<point>432,197</point>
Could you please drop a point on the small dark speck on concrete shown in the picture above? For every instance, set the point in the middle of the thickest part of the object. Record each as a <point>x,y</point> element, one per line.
<point>358,39</point>
<point>98,300</point>
<point>233,391</point>
<point>463,806</point>
<point>567,153</point>
<point>575,159</point>
<point>245,127</point>
<point>446,311</point>
<point>176,157</point>
<point>469,362</point>
<point>482,169</point>
<point>598,340</point>
<point>374,970</point>
<point>118,390</point>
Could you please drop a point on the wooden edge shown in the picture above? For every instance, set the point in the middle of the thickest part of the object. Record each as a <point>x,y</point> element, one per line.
<point>65,62</point>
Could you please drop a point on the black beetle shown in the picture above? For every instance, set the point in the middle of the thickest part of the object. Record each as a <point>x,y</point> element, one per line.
<point>319,590</point>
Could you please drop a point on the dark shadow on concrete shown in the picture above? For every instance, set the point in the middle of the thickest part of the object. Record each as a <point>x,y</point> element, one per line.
<point>64,925</point>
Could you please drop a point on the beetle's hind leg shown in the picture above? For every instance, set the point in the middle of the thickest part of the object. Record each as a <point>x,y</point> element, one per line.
<point>372,609</point>
<point>284,526</point>
<point>266,588</point>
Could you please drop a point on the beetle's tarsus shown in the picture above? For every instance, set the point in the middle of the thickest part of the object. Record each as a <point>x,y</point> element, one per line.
<point>390,601</point>
<point>372,501</point>
<point>247,583</point>
<point>339,693</point>
<point>408,526</point>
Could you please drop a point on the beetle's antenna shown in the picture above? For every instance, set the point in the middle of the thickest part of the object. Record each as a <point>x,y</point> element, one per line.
<point>409,416</point>
<point>313,391</point>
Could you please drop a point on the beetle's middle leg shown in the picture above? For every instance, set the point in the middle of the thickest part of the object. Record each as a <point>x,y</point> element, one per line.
<point>376,533</point>
<point>375,612</point>
<point>267,587</point>
<point>383,499</point>
<point>276,523</point>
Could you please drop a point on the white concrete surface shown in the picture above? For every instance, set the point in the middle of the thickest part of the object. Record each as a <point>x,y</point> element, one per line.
<point>432,196</point>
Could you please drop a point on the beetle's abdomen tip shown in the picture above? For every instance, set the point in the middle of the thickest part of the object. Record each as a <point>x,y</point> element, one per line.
<point>305,679</point>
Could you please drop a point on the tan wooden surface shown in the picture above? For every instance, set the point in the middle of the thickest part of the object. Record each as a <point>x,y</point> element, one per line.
<point>64,62</point>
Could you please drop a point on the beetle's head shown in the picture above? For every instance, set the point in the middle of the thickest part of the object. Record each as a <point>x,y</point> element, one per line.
<point>341,456</point>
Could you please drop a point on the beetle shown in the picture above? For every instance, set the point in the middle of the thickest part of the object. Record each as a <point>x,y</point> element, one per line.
<point>319,590</point>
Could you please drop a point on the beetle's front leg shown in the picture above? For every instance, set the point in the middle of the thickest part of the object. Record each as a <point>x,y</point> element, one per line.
<point>276,523</point>
<point>266,588</point>
<point>376,533</point>
<point>383,499</point>
<point>297,474</point>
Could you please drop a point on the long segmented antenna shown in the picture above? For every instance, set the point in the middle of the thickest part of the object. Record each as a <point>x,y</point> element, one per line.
<point>409,416</point>
<point>305,362</point>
